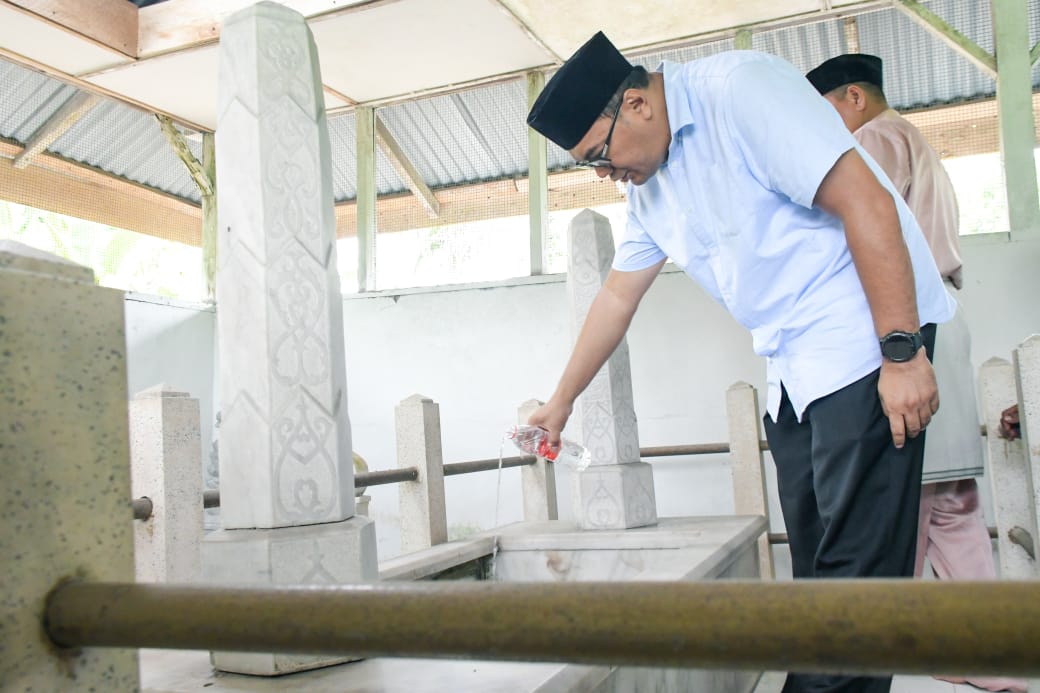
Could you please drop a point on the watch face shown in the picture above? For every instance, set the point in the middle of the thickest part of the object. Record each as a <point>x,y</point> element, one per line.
<point>898,347</point>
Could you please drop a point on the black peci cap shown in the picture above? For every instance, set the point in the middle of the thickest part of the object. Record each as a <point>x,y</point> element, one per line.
<point>846,69</point>
<point>579,91</point>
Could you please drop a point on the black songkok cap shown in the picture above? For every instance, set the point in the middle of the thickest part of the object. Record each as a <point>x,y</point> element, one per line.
<point>846,69</point>
<point>579,91</point>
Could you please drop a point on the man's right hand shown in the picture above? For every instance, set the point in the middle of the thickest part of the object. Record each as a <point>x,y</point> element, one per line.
<point>552,416</point>
<point>909,396</point>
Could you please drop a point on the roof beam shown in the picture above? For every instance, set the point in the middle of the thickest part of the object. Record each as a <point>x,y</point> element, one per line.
<point>84,85</point>
<point>64,187</point>
<point>408,173</point>
<point>537,180</point>
<point>172,26</point>
<point>196,170</point>
<point>57,185</point>
<point>108,23</point>
<point>1017,117</point>
<point>851,27</point>
<point>525,27</point>
<point>570,189</point>
<point>938,27</point>
<point>56,126</point>
<point>365,210</point>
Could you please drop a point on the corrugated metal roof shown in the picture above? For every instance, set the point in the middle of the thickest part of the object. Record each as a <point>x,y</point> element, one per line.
<point>112,137</point>
<point>129,144</point>
<point>479,134</point>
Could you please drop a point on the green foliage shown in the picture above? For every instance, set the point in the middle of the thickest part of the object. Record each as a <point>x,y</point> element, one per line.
<point>120,259</point>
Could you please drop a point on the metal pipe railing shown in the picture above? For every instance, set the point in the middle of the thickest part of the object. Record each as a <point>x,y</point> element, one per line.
<point>781,538</point>
<point>385,476</point>
<point>211,497</point>
<point>867,626</point>
<point>142,507</point>
<point>453,468</point>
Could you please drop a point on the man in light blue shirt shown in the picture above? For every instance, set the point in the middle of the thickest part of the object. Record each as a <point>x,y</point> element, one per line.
<point>745,178</point>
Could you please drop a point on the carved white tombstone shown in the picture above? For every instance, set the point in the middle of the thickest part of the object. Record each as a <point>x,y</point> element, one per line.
<point>538,480</point>
<point>1011,481</point>
<point>424,519</point>
<point>64,462</point>
<point>166,468</point>
<point>286,469</point>
<point>617,490</point>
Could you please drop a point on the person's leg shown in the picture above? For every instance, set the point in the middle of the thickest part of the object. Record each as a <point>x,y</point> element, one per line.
<point>960,549</point>
<point>868,490</point>
<point>959,543</point>
<point>924,522</point>
<point>867,494</point>
<point>790,444</point>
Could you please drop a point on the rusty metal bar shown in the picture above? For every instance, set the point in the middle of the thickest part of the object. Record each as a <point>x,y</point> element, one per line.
<point>453,468</point>
<point>692,449</point>
<point>142,507</point>
<point>385,476</point>
<point>781,537</point>
<point>871,626</point>
<point>211,498</point>
<point>674,450</point>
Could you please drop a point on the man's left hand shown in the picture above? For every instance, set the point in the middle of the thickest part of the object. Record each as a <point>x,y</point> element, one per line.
<point>909,396</point>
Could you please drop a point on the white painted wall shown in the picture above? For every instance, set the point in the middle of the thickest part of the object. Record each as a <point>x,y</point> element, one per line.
<point>481,351</point>
<point>172,342</point>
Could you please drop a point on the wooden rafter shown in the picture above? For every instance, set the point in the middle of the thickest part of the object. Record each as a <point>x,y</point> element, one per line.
<point>84,85</point>
<point>406,170</point>
<point>195,169</point>
<point>58,185</point>
<point>537,181</point>
<point>851,27</point>
<point>526,28</point>
<point>572,189</point>
<point>57,125</point>
<point>172,26</point>
<point>938,27</point>
<point>108,23</point>
<point>80,191</point>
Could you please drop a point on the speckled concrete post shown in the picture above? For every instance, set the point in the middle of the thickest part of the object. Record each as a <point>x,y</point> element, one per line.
<point>286,468</point>
<point>166,467</point>
<point>745,454</point>
<point>1026,359</point>
<point>64,461</point>
<point>424,520</point>
<point>538,480</point>
<point>617,490</point>
<point>1027,365</point>
<point>1008,472</point>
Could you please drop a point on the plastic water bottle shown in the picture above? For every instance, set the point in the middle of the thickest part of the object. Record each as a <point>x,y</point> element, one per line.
<point>535,441</point>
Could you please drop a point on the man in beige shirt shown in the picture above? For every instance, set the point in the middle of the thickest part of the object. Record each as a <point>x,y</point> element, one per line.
<point>952,531</point>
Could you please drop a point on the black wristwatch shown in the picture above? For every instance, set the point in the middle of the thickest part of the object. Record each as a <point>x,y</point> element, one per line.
<point>900,346</point>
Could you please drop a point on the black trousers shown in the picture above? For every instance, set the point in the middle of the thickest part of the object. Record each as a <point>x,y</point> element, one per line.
<point>850,499</point>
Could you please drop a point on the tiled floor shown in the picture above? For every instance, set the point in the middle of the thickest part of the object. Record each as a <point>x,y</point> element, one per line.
<point>772,682</point>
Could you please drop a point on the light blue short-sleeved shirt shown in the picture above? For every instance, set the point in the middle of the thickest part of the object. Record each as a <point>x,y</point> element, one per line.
<point>733,207</point>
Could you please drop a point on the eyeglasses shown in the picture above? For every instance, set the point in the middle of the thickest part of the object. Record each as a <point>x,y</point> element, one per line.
<point>602,160</point>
